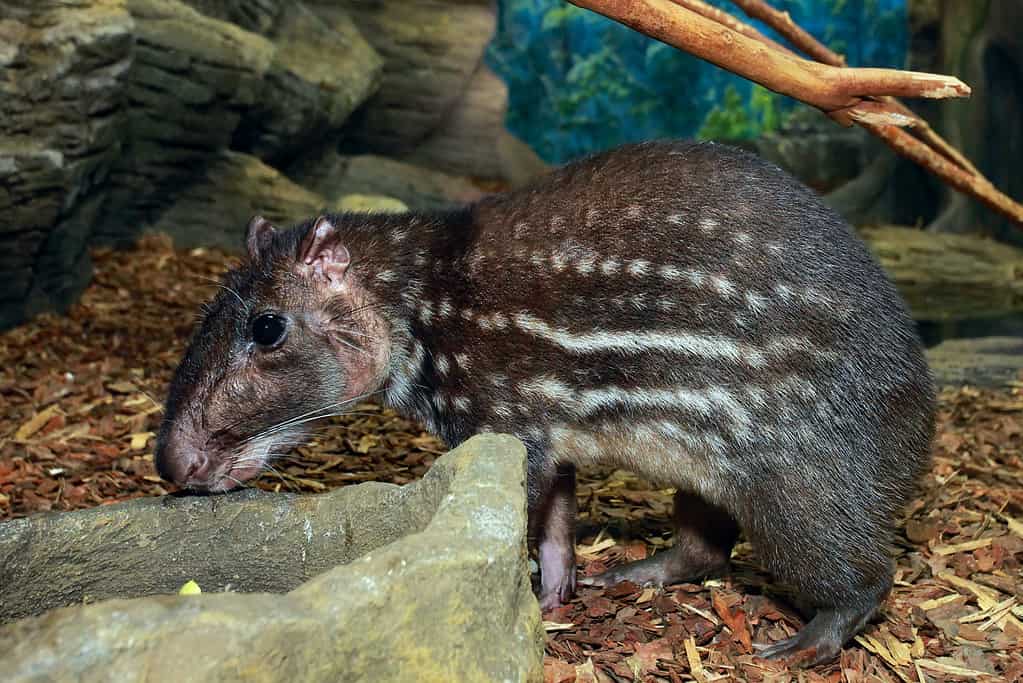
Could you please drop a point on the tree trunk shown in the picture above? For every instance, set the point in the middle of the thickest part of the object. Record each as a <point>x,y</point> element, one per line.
<point>982,43</point>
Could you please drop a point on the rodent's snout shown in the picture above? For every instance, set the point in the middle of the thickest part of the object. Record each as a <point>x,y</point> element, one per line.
<point>182,466</point>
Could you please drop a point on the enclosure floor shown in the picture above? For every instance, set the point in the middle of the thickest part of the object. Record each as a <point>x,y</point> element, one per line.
<point>80,409</point>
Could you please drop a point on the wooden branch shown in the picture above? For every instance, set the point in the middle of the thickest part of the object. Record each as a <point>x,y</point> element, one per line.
<point>723,17</point>
<point>850,96</point>
<point>807,44</point>
<point>925,148</point>
<point>977,186</point>
<point>826,87</point>
<point>783,24</point>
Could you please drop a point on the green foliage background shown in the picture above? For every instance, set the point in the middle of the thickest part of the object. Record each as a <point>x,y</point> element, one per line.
<point>581,83</point>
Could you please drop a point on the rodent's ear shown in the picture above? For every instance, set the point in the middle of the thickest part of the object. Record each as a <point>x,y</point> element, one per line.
<point>321,248</point>
<point>257,235</point>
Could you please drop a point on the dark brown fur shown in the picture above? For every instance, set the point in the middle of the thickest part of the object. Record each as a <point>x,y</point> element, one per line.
<point>683,310</point>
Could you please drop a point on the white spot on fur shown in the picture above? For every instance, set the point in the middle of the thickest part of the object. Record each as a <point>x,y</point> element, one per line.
<point>638,267</point>
<point>557,223</point>
<point>420,258</point>
<point>499,380</point>
<point>426,312</point>
<point>722,286</point>
<point>695,277</point>
<point>387,276</point>
<point>443,364</point>
<point>677,219</point>
<point>500,320</point>
<point>559,260</point>
<point>503,410</point>
<point>520,230</point>
<point>784,292</point>
<point>463,361</point>
<point>742,239</point>
<point>634,212</point>
<point>756,302</point>
<point>815,297</point>
<point>610,266</point>
<point>445,308</point>
<point>462,404</point>
<point>411,293</point>
<point>586,264</point>
<point>538,259</point>
<point>399,236</point>
<point>707,225</point>
<point>467,314</point>
<point>670,273</point>
<point>666,304</point>
<point>592,216</point>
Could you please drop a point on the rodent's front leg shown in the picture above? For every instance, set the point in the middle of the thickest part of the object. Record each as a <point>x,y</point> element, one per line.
<point>552,522</point>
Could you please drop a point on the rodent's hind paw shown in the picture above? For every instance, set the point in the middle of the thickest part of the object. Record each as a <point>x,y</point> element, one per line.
<point>662,569</point>
<point>818,641</point>
<point>794,652</point>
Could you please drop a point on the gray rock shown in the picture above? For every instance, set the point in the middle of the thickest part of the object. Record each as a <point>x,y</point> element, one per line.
<point>215,210</point>
<point>440,591</point>
<point>472,139</point>
<point>334,175</point>
<point>190,78</point>
<point>985,362</point>
<point>62,65</point>
<point>258,16</point>
<point>431,50</point>
<point>465,142</point>
<point>321,72</point>
<point>200,85</point>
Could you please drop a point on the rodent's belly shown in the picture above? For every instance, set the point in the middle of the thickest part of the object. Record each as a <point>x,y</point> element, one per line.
<point>661,452</point>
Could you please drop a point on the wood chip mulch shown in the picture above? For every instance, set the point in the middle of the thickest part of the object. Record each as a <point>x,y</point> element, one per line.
<point>81,393</point>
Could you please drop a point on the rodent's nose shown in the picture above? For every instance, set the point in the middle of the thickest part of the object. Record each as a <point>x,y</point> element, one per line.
<point>182,466</point>
<point>198,469</point>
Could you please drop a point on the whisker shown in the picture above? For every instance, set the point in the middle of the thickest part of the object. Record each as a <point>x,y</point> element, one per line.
<point>305,417</point>
<point>353,347</point>
<point>224,287</point>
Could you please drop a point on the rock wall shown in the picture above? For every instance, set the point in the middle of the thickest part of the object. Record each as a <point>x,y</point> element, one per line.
<point>117,116</point>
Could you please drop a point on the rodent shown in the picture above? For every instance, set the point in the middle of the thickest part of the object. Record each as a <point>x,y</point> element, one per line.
<point>683,310</point>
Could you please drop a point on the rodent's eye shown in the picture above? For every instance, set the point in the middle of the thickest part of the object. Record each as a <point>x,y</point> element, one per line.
<point>268,330</point>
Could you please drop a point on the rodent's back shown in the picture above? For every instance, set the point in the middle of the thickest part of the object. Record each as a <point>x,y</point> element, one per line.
<point>694,268</point>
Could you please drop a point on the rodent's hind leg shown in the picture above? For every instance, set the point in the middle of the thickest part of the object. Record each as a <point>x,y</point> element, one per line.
<point>822,638</point>
<point>554,531</point>
<point>704,536</point>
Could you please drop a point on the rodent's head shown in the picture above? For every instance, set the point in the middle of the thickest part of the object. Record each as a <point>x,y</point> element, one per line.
<point>291,338</point>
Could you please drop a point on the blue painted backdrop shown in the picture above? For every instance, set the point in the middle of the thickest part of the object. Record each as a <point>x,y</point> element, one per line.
<point>581,83</point>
